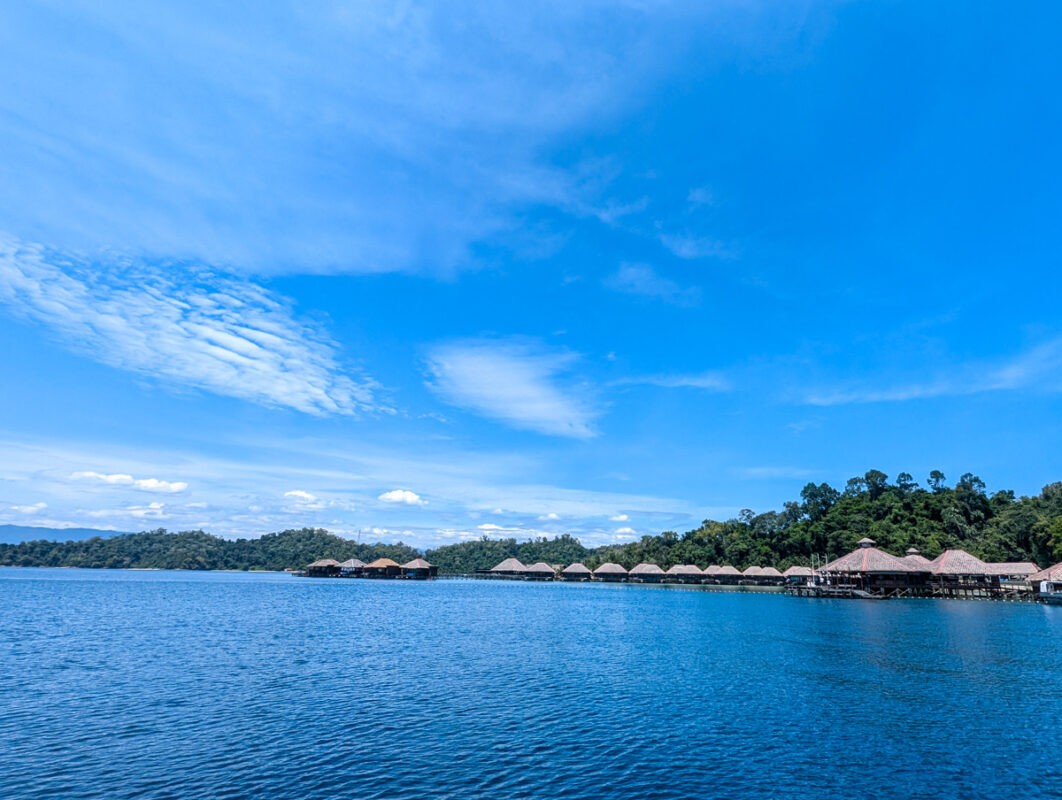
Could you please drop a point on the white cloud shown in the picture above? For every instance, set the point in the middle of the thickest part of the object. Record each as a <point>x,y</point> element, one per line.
<point>143,484</point>
<point>490,526</point>
<point>695,247</point>
<point>298,494</point>
<point>641,279</point>
<point>518,383</point>
<point>550,517</point>
<point>155,511</point>
<point>402,497</point>
<point>190,328</point>
<point>36,508</point>
<point>710,381</point>
<point>620,518</point>
<point>625,531</point>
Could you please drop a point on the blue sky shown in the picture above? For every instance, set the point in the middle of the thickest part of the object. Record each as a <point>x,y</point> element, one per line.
<point>434,272</point>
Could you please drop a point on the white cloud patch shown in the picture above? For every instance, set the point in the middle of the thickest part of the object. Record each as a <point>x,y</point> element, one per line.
<point>143,484</point>
<point>191,328</point>
<point>36,508</point>
<point>551,517</point>
<point>641,279</point>
<point>154,511</point>
<point>625,531</point>
<point>620,518</point>
<point>518,383</point>
<point>299,494</point>
<point>402,497</point>
<point>695,247</point>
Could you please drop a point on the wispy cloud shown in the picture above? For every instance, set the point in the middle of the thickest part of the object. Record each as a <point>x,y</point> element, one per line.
<point>522,384</point>
<point>641,279</point>
<point>194,329</point>
<point>35,508</point>
<point>121,479</point>
<point>710,381</point>
<point>690,247</point>
<point>1039,366</point>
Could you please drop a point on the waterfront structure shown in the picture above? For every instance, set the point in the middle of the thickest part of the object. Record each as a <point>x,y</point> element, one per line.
<point>915,559</point>
<point>610,572</point>
<point>419,569</point>
<point>576,572</point>
<point>382,568</point>
<point>540,571</point>
<point>727,574</point>
<point>771,576</point>
<point>509,568</point>
<point>646,573</point>
<point>958,573</point>
<point>323,568</point>
<point>351,568</point>
<point>797,574</point>
<point>684,573</point>
<point>872,572</point>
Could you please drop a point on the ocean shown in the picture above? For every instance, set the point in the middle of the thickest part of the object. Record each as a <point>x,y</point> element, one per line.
<point>125,684</point>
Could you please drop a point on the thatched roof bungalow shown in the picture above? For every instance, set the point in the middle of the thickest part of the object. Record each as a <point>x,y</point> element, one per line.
<point>959,563</point>
<point>752,572</point>
<point>727,574</point>
<point>382,568</point>
<point>770,575</point>
<point>540,571</point>
<point>610,572</point>
<point>576,572</point>
<point>711,569</point>
<point>915,559</point>
<point>1052,573</point>
<point>509,568</point>
<point>351,567</point>
<point>684,573</point>
<point>797,575</point>
<point>1015,570</point>
<point>646,573</point>
<point>323,568</point>
<point>872,570</point>
<point>419,569</point>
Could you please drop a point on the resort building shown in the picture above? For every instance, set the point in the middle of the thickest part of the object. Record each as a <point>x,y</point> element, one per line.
<point>797,575</point>
<point>727,574</point>
<point>868,570</point>
<point>419,569</point>
<point>350,568</point>
<point>646,573</point>
<point>509,568</point>
<point>683,573</point>
<point>382,568</point>
<point>610,572</point>
<point>540,571</point>
<point>323,568</point>
<point>576,572</point>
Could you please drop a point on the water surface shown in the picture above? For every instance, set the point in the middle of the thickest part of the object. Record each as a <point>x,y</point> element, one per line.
<point>178,684</point>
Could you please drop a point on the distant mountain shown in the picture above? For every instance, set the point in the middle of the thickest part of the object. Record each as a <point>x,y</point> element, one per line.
<point>15,534</point>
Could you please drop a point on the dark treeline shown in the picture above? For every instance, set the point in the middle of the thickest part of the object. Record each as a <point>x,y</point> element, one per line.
<point>826,522</point>
<point>198,550</point>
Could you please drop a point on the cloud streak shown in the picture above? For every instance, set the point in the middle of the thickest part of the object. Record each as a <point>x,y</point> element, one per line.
<point>640,279</point>
<point>143,484</point>
<point>521,384</point>
<point>194,329</point>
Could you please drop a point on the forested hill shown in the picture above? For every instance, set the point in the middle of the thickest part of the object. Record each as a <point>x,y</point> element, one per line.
<point>198,550</point>
<point>825,521</point>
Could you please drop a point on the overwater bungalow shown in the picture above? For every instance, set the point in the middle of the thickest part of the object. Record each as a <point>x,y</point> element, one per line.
<point>770,576</point>
<point>751,572</point>
<point>872,572</point>
<point>382,568</point>
<point>727,575</point>
<point>683,573</point>
<point>646,573</point>
<point>509,568</point>
<point>1013,570</point>
<point>576,572</point>
<point>915,559</point>
<point>351,568</point>
<point>711,570</point>
<point>540,571</point>
<point>419,569</point>
<point>958,573</point>
<point>323,568</point>
<point>1046,582</point>
<point>610,572</point>
<point>797,574</point>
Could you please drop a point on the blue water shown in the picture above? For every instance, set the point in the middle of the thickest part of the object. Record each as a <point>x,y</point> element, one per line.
<point>173,684</point>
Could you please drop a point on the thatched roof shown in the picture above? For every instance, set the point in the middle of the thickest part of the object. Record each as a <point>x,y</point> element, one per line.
<point>958,562</point>
<point>684,569</point>
<point>916,560</point>
<point>1052,573</point>
<point>416,563</point>
<point>798,572</point>
<point>647,569</point>
<point>509,565</point>
<point>869,559</point>
<point>608,568</point>
<point>727,570</point>
<point>770,572</point>
<point>753,572</point>
<point>712,569</point>
<point>324,562</point>
<point>352,563</point>
<point>866,541</point>
<point>383,563</point>
<point>541,567</point>
<point>1022,568</point>
<point>577,568</point>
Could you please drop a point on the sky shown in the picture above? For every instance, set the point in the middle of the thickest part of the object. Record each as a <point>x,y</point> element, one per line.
<point>434,272</point>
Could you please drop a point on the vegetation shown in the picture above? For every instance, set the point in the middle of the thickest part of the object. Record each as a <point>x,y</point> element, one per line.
<point>825,522</point>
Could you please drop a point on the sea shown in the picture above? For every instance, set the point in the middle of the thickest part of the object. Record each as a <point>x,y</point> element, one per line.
<point>130,684</point>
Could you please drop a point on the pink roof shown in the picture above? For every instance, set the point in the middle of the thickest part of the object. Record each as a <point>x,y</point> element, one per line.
<point>958,562</point>
<point>916,560</point>
<point>1052,573</point>
<point>711,569</point>
<point>869,559</point>
<point>1024,568</point>
<point>798,572</point>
